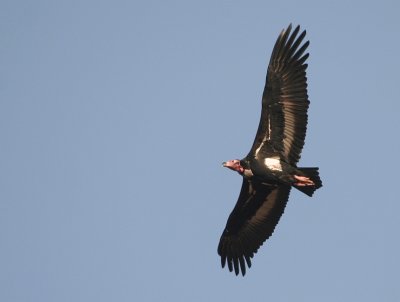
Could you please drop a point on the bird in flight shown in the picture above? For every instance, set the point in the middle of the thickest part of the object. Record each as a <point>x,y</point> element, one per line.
<point>270,169</point>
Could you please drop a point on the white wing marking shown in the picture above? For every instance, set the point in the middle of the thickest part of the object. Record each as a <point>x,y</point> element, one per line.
<point>266,138</point>
<point>273,163</point>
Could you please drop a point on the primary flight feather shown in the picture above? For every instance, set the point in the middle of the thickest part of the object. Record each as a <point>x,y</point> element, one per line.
<point>270,169</point>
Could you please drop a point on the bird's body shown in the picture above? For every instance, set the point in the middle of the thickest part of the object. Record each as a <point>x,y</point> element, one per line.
<point>270,169</point>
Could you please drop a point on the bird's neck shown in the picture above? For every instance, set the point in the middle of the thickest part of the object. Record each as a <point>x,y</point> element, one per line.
<point>247,173</point>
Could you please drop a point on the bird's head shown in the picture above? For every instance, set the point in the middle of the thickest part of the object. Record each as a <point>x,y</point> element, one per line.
<point>234,165</point>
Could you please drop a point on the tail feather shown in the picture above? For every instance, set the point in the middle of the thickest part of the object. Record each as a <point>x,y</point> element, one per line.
<point>313,174</point>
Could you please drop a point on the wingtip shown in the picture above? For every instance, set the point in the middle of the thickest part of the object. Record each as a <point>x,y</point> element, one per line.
<point>223,261</point>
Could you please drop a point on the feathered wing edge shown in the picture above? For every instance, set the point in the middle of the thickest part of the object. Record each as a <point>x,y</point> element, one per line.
<point>283,121</point>
<point>252,221</point>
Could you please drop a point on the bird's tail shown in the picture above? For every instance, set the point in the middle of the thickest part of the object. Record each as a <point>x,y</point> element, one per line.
<point>312,174</point>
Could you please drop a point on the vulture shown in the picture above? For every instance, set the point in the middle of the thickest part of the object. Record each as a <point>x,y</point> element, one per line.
<point>270,169</point>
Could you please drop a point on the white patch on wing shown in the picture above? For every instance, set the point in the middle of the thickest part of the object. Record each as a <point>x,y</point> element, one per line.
<point>259,147</point>
<point>269,127</point>
<point>273,163</point>
<point>266,138</point>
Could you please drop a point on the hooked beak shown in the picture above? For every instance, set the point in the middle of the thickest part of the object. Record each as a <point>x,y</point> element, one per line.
<point>224,164</point>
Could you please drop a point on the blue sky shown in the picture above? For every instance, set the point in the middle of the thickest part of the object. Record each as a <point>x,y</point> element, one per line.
<point>115,117</point>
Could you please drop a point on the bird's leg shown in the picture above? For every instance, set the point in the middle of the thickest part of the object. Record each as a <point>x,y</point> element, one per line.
<point>303,181</point>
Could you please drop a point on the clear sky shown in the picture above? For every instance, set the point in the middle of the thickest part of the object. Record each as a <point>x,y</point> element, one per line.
<point>115,117</point>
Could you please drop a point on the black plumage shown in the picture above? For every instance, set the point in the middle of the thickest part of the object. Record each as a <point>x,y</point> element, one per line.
<point>270,168</point>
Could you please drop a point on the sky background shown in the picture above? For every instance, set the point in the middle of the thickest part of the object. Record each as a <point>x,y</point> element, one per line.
<point>115,117</point>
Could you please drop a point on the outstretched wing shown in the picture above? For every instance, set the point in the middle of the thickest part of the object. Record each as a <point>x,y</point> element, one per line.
<point>283,123</point>
<point>252,221</point>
